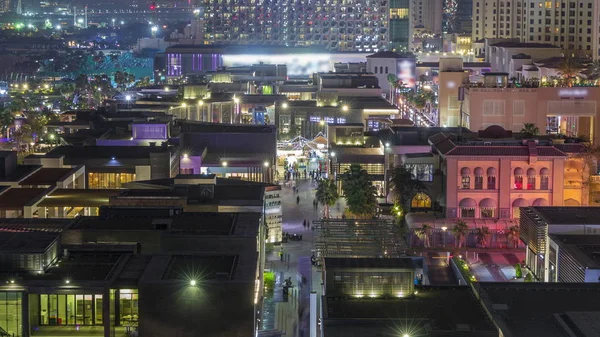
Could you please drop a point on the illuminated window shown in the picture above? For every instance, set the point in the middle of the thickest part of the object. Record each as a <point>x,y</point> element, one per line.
<point>421,200</point>
<point>108,180</point>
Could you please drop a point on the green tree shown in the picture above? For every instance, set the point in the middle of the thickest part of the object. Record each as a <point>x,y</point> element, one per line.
<point>6,121</point>
<point>82,83</point>
<point>405,185</point>
<point>518,271</point>
<point>530,128</point>
<point>327,194</point>
<point>593,70</point>
<point>482,234</point>
<point>423,233</point>
<point>359,191</point>
<point>460,232</point>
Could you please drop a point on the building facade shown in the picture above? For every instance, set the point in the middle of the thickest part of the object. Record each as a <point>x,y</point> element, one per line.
<point>570,25</point>
<point>345,25</point>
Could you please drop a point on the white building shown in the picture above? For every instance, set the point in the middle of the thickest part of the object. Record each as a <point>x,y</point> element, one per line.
<point>427,14</point>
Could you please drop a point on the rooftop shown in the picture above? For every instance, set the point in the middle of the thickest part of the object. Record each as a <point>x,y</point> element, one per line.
<point>584,248</point>
<point>523,45</point>
<point>46,176</point>
<point>17,198</point>
<point>33,225</point>
<point>206,267</point>
<point>443,310</point>
<point>105,152</point>
<point>26,242</point>
<point>532,309</point>
<point>78,197</point>
<point>333,262</point>
<point>390,55</point>
<point>190,223</point>
<point>568,215</point>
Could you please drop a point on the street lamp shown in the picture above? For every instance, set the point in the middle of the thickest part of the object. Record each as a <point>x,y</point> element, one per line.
<point>224,164</point>
<point>193,283</point>
<point>345,108</point>
<point>284,105</point>
<point>266,164</point>
<point>444,236</point>
<point>128,98</point>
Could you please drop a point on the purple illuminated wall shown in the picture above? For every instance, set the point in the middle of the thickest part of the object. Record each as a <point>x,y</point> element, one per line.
<point>174,64</point>
<point>197,60</point>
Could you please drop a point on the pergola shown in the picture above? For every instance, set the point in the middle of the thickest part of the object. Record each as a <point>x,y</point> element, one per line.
<point>358,238</point>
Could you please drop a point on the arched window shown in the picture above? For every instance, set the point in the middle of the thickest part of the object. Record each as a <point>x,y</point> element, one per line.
<point>518,178</point>
<point>491,178</point>
<point>386,70</point>
<point>465,173</point>
<point>467,208</point>
<point>544,178</point>
<point>487,208</point>
<point>375,70</point>
<point>381,70</point>
<point>478,178</point>
<point>531,179</point>
<point>517,204</point>
<point>421,200</point>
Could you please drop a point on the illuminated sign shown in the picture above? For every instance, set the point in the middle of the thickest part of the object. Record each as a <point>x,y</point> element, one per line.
<point>573,92</point>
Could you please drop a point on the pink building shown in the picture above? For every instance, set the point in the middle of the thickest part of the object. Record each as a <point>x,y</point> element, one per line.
<point>491,179</point>
<point>568,111</point>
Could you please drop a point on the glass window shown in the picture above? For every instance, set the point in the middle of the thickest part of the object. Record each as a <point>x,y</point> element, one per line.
<point>109,180</point>
<point>128,299</point>
<point>79,309</point>
<point>531,182</point>
<point>44,309</point>
<point>518,182</point>
<point>478,182</point>
<point>71,309</point>
<point>488,212</point>
<point>466,182</point>
<point>467,212</point>
<point>491,182</point>
<point>544,182</point>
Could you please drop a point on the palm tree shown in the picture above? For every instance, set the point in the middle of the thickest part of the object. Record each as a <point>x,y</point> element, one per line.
<point>482,234</point>
<point>327,194</point>
<point>423,234</point>
<point>593,70</point>
<point>460,231</point>
<point>569,69</point>
<point>531,129</point>
<point>513,235</point>
<point>393,80</point>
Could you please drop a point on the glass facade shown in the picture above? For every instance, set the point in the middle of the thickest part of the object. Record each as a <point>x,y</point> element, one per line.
<point>375,284</point>
<point>128,306</point>
<point>11,313</point>
<point>109,180</point>
<point>70,309</point>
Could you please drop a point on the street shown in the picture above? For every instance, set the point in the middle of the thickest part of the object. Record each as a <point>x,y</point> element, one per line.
<point>292,317</point>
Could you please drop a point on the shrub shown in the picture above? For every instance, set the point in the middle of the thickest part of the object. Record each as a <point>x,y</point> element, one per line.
<point>529,278</point>
<point>518,271</point>
<point>269,279</point>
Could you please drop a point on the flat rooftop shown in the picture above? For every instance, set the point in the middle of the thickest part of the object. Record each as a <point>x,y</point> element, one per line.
<point>34,225</point>
<point>78,197</point>
<point>105,152</point>
<point>432,309</point>
<point>17,198</point>
<point>563,215</point>
<point>201,267</point>
<point>193,223</point>
<point>333,262</point>
<point>26,242</point>
<point>46,176</point>
<point>529,309</point>
<point>585,248</point>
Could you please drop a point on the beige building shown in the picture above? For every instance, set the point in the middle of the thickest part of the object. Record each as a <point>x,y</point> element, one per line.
<point>497,19</point>
<point>427,14</point>
<point>571,25</point>
<point>452,76</point>
<point>568,111</point>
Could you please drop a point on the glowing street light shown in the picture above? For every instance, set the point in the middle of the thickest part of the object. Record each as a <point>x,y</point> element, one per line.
<point>266,164</point>
<point>193,283</point>
<point>224,164</point>
<point>345,108</point>
<point>236,100</point>
<point>128,98</point>
<point>200,102</point>
<point>284,105</point>
<point>58,27</point>
<point>183,105</point>
<point>67,281</point>
<point>322,122</point>
<point>154,29</point>
<point>185,156</point>
<point>333,154</point>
